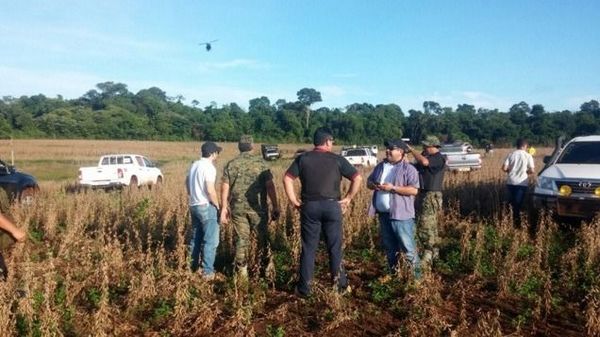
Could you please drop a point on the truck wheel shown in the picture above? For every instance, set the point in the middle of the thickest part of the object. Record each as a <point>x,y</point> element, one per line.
<point>27,196</point>
<point>133,183</point>
<point>157,184</point>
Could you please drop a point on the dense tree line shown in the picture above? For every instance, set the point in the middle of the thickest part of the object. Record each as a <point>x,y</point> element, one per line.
<point>111,111</point>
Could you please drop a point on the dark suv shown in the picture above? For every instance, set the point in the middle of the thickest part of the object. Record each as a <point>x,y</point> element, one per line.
<point>17,185</point>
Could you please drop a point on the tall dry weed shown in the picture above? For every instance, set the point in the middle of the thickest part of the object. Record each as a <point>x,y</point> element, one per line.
<point>426,316</point>
<point>489,325</point>
<point>121,257</point>
<point>592,312</point>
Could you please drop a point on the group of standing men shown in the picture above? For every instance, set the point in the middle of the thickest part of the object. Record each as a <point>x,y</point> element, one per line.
<point>247,181</point>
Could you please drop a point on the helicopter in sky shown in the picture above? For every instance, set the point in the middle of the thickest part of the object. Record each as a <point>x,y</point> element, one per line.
<point>207,44</point>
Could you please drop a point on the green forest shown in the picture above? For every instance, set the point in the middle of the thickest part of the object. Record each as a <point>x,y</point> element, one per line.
<point>111,111</point>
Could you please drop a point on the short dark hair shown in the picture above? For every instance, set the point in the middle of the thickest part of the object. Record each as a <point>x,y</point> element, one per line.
<point>322,135</point>
<point>208,148</point>
<point>521,142</point>
<point>245,147</point>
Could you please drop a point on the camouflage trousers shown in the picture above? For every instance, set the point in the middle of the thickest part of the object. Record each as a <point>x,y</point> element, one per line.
<point>429,206</point>
<point>244,222</point>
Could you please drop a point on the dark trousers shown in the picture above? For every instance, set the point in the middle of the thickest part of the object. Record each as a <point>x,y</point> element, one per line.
<point>516,196</point>
<point>3,269</point>
<point>317,216</point>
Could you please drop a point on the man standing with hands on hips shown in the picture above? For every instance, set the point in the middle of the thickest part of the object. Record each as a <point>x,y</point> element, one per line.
<point>320,172</point>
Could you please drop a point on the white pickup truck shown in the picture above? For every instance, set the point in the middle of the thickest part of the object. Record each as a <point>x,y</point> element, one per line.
<point>459,157</point>
<point>118,170</point>
<point>360,156</point>
<point>569,184</point>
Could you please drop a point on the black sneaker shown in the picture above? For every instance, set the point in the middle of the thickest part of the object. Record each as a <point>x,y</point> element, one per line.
<point>347,290</point>
<point>300,294</point>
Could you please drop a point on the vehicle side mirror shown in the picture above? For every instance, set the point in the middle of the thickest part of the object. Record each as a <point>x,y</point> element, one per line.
<point>547,159</point>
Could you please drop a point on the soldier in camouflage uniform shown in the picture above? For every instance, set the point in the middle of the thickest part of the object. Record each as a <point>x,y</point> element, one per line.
<point>431,165</point>
<point>246,182</point>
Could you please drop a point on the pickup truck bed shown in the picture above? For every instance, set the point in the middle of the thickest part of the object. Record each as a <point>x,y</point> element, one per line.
<point>463,162</point>
<point>118,170</point>
<point>459,160</point>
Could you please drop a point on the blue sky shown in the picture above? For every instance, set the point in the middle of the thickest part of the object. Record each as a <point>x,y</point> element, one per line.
<point>488,53</point>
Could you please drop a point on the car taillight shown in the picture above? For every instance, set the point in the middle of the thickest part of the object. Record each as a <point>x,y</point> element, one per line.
<point>120,173</point>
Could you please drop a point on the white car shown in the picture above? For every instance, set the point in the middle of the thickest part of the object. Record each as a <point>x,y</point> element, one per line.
<point>360,156</point>
<point>118,170</point>
<point>570,182</point>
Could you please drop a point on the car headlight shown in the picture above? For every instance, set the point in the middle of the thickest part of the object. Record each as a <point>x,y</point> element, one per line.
<point>546,183</point>
<point>565,190</point>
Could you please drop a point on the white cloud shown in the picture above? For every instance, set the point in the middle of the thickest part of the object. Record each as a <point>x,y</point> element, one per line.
<point>454,98</point>
<point>41,41</point>
<point>574,103</point>
<point>221,94</point>
<point>331,91</point>
<point>484,100</point>
<point>17,82</point>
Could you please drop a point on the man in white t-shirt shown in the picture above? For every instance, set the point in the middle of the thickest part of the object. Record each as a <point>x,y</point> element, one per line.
<point>519,165</point>
<point>204,207</point>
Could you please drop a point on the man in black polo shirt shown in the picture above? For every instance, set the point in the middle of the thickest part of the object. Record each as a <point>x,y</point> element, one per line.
<point>320,172</point>
<point>431,165</point>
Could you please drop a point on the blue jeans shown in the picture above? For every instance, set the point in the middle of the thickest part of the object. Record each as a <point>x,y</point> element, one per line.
<point>205,237</point>
<point>399,236</point>
<point>516,196</point>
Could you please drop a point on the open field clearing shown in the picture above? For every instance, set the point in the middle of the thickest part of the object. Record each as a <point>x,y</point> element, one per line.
<point>114,263</point>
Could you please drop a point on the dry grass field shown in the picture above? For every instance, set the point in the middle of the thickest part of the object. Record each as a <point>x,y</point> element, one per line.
<point>114,263</point>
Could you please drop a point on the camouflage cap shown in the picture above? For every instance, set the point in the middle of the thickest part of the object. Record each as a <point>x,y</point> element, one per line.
<point>246,139</point>
<point>431,141</point>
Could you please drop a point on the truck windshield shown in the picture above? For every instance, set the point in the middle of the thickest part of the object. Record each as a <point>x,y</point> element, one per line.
<point>580,153</point>
<point>451,148</point>
<point>356,153</point>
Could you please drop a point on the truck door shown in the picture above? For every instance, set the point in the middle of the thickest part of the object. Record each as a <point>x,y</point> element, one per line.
<point>140,171</point>
<point>149,167</point>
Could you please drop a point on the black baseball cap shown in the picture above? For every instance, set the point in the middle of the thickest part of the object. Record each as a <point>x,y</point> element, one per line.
<point>396,143</point>
<point>209,148</point>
